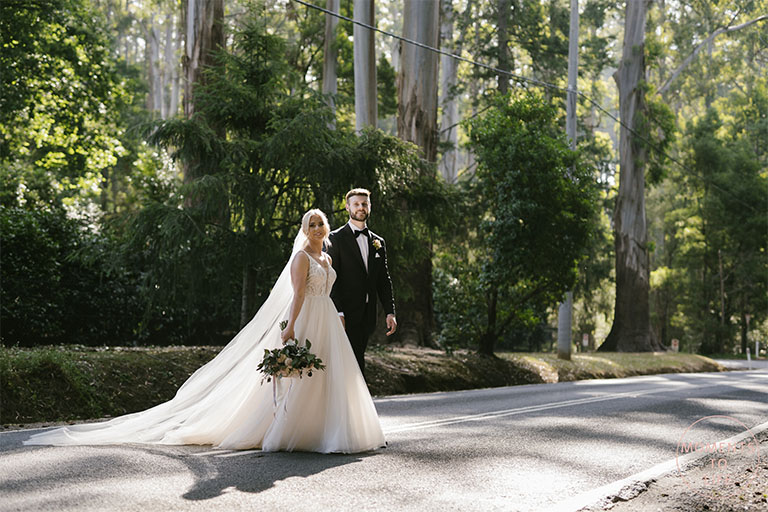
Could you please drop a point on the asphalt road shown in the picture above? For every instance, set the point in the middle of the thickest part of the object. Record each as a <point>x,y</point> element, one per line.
<point>521,448</point>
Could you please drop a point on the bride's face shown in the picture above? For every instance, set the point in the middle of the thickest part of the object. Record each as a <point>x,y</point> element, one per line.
<point>316,228</point>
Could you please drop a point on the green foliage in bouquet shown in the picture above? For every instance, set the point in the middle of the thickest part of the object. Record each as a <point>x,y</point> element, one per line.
<point>292,360</point>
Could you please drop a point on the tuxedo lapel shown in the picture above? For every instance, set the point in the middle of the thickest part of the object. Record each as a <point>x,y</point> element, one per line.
<point>372,255</point>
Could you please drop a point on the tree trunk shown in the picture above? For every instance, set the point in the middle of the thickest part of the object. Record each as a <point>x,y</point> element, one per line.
<point>330,55</point>
<point>744,332</point>
<point>128,41</point>
<point>175,78</point>
<point>503,80</point>
<point>149,66</point>
<point>417,80</point>
<point>204,35</point>
<point>631,329</point>
<point>168,65</point>
<point>366,101</point>
<point>449,133</point>
<point>744,344</point>
<point>450,107</point>
<point>488,339</point>
<point>417,122</point>
<point>152,61</point>
<point>721,334</point>
<point>157,74</point>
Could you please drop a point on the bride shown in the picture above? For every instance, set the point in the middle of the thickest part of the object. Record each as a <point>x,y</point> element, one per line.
<point>226,403</point>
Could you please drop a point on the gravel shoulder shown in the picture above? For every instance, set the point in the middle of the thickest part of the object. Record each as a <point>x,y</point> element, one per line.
<point>700,487</point>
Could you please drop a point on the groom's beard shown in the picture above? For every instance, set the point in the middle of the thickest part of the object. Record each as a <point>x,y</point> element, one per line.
<point>360,216</point>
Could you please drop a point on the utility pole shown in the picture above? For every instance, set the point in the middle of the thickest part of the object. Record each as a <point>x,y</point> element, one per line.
<point>565,311</point>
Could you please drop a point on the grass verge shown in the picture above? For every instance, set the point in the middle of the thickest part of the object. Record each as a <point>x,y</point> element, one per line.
<point>49,384</point>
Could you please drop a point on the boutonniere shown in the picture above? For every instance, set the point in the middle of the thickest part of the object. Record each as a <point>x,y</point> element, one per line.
<point>376,244</point>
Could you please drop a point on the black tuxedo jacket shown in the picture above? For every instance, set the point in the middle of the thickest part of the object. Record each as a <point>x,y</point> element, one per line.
<point>353,283</point>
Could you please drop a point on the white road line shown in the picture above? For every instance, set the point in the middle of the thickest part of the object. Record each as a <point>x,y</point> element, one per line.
<point>477,417</point>
<point>238,453</point>
<point>212,452</point>
<point>472,417</point>
<point>521,410</point>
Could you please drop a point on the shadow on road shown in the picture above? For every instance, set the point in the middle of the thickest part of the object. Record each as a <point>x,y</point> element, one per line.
<point>50,474</point>
<point>257,472</point>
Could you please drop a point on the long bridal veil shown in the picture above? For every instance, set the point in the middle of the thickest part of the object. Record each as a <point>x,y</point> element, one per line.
<point>205,404</point>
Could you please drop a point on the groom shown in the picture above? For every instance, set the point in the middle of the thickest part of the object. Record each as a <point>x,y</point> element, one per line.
<point>360,260</point>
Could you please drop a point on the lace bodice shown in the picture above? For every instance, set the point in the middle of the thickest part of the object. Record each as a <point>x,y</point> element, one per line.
<point>319,280</point>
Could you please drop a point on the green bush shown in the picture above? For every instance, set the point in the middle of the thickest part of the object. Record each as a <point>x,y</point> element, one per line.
<point>58,284</point>
<point>531,213</point>
<point>43,383</point>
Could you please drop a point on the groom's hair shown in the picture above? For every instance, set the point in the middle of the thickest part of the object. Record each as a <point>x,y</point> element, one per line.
<point>357,192</point>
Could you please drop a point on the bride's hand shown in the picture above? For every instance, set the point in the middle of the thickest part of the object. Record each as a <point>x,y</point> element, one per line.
<point>287,334</point>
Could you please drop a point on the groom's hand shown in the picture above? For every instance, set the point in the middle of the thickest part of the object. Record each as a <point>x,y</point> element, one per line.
<point>391,325</point>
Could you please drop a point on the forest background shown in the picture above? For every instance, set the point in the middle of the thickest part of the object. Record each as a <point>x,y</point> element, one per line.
<point>156,157</point>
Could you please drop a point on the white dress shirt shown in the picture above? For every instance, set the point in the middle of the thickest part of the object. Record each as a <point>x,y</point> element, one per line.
<point>363,243</point>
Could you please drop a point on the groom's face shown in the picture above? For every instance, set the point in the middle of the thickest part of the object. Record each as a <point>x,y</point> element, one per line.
<point>359,208</point>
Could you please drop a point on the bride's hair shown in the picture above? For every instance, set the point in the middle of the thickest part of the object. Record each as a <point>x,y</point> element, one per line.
<point>309,215</point>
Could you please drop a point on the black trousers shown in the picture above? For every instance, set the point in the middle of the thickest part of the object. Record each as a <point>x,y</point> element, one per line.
<point>358,338</point>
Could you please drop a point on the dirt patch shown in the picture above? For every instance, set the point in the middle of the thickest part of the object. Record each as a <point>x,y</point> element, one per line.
<point>699,488</point>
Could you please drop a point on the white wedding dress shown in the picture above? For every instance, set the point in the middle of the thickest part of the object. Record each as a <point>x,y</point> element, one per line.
<point>225,403</point>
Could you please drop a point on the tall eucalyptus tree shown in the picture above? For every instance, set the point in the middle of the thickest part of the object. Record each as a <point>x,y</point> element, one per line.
<point>330,54</point>
<point>366,107</point>
<point>449,86</point>
<point>417,84</point>
<point>417,80</point>
<point>631,329</point>
<point>204,35</point>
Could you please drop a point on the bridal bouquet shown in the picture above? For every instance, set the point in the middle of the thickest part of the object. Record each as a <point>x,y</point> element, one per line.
<point>292,360</point>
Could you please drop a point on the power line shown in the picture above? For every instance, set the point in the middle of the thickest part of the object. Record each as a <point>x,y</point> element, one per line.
<point>454,125</point>
<point>526,80</point>
<point>437,50</point>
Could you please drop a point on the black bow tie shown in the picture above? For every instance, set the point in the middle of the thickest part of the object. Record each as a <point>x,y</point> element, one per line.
<point>361,232</point>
